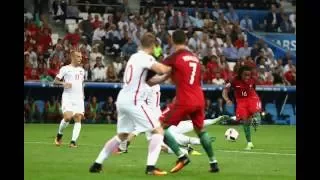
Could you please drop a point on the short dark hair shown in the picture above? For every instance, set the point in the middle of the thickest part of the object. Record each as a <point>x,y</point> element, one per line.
<point>242,69</point>
<point>179,37</point>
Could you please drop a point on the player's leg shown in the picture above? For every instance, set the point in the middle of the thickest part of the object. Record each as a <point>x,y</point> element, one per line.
<point>78,110</point>
<point>125,125</point>
<point>172,116</point>
<point>197,118</point>
<point>242,114</point>
<point>76,129</point>
<point>147,121</point>
<point>67,117</point>
<point>106,151</point>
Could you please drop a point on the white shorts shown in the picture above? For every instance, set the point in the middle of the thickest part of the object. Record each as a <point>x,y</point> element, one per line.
<point>136,119</point>
<point>75,106</point>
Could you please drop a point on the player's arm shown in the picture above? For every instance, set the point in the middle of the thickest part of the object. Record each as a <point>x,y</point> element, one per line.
<point>58,79</point>
<point>225,93</point>
<point>160,68</point>
<point>157,79</point>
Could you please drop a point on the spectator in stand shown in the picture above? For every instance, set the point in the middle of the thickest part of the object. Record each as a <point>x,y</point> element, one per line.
<point>232,15</point>
<point>86,28</point>
<point>207,20</point>
<point>34,74</point>
<point>273,20</point>
<point>58,51</point>
<point>73,37</point>
<point>129,48</point>
<point>224,68</point>
<point>52,111</point>
<point>286,58</point>
<point>73,12</point>
<point>290,77</point>
<point>117,64</point>
<point>111,75</point>
<point>197,21</point>
<point>45,77</point>
<point>246,23</point>
<point>87,72</point>
<point>45,40</point>
<point>94,54</point>
<point>216,11</point>
<point>123,68</point>
<point>59,10</point>
<point>260,59</point>
<point>92,110</point>
<point>54,68</point>
<point>289,66</point>
<point>292,18</point>
<point>186,19</point>
<point>99,71</point>
<point>254,51</point>
<point>163,34</point>
<point>244,51</point>
<point>213,63</point>
<point>207,75</point>
<point>202,46</point>
<point>32,111</point>
<point>269,79</point>
<point>123,23</point>
<point>278,79</point>
<point>209,110</point>
<point>98,34</point>
<point>230,52</point>
<point>239,42</point>
<point>175,21</point>
<point>32,55</point>
<point>96,23</point>
<point>286,25</point>
<point>108,111</point>
<point>112,38</point>
<point>218,80</point>
<point>194,41</point>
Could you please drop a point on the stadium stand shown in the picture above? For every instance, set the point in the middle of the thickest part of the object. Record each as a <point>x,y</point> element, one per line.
<point>214,31</point>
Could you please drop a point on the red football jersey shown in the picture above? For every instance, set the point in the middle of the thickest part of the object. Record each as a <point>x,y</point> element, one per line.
<point>244,89</point>
<point>186,74</point>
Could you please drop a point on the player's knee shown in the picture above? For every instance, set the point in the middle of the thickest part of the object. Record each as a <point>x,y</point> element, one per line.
<point>77,117</point>
<point>67,116</point>
<point>158,130</point>
<point>123,136</point>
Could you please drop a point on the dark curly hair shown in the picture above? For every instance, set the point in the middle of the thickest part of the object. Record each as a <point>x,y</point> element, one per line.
<point>242,69</point>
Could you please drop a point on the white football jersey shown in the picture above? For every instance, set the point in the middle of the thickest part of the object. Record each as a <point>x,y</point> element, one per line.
<point>153,99</point>
<point>74,76</point>
<point>135,89</point>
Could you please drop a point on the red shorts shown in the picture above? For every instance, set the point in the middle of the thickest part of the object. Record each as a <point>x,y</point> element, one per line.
<point>174,113</point>
<point>247,108</point>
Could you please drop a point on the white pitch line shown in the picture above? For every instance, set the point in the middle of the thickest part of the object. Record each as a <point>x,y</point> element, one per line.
<point>221,150</point>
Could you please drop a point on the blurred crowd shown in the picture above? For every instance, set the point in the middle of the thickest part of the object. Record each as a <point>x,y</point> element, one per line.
<point>100,111</point>
<point>108,38</point>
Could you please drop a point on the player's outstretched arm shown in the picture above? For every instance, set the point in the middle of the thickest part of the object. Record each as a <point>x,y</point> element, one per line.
<point>160,68</point>
<point>157,79</point>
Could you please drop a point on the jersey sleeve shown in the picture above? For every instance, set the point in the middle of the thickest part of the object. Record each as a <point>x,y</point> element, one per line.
<point>149,62</point>
<point>61,73</point>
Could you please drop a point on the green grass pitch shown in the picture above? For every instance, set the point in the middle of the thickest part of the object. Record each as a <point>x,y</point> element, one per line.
<point>273,159</point>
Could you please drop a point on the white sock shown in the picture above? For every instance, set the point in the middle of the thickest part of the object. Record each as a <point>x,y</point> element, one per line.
<point>194,141</point>
<point>62,126</point>
<point>123,145</point>
<point>76,131</point>
<point>107,149</point>
<point>214,161</point>
<point>183,127</point>
<point>170,151</point>
<point>154,149</point>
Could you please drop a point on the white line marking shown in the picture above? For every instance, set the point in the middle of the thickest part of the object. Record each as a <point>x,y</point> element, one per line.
<point>221,150</point>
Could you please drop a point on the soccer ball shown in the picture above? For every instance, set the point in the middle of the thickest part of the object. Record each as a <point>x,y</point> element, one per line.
<point>231,134</point>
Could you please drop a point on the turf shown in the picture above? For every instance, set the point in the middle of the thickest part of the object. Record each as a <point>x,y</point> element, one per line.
<point>274,157</point>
